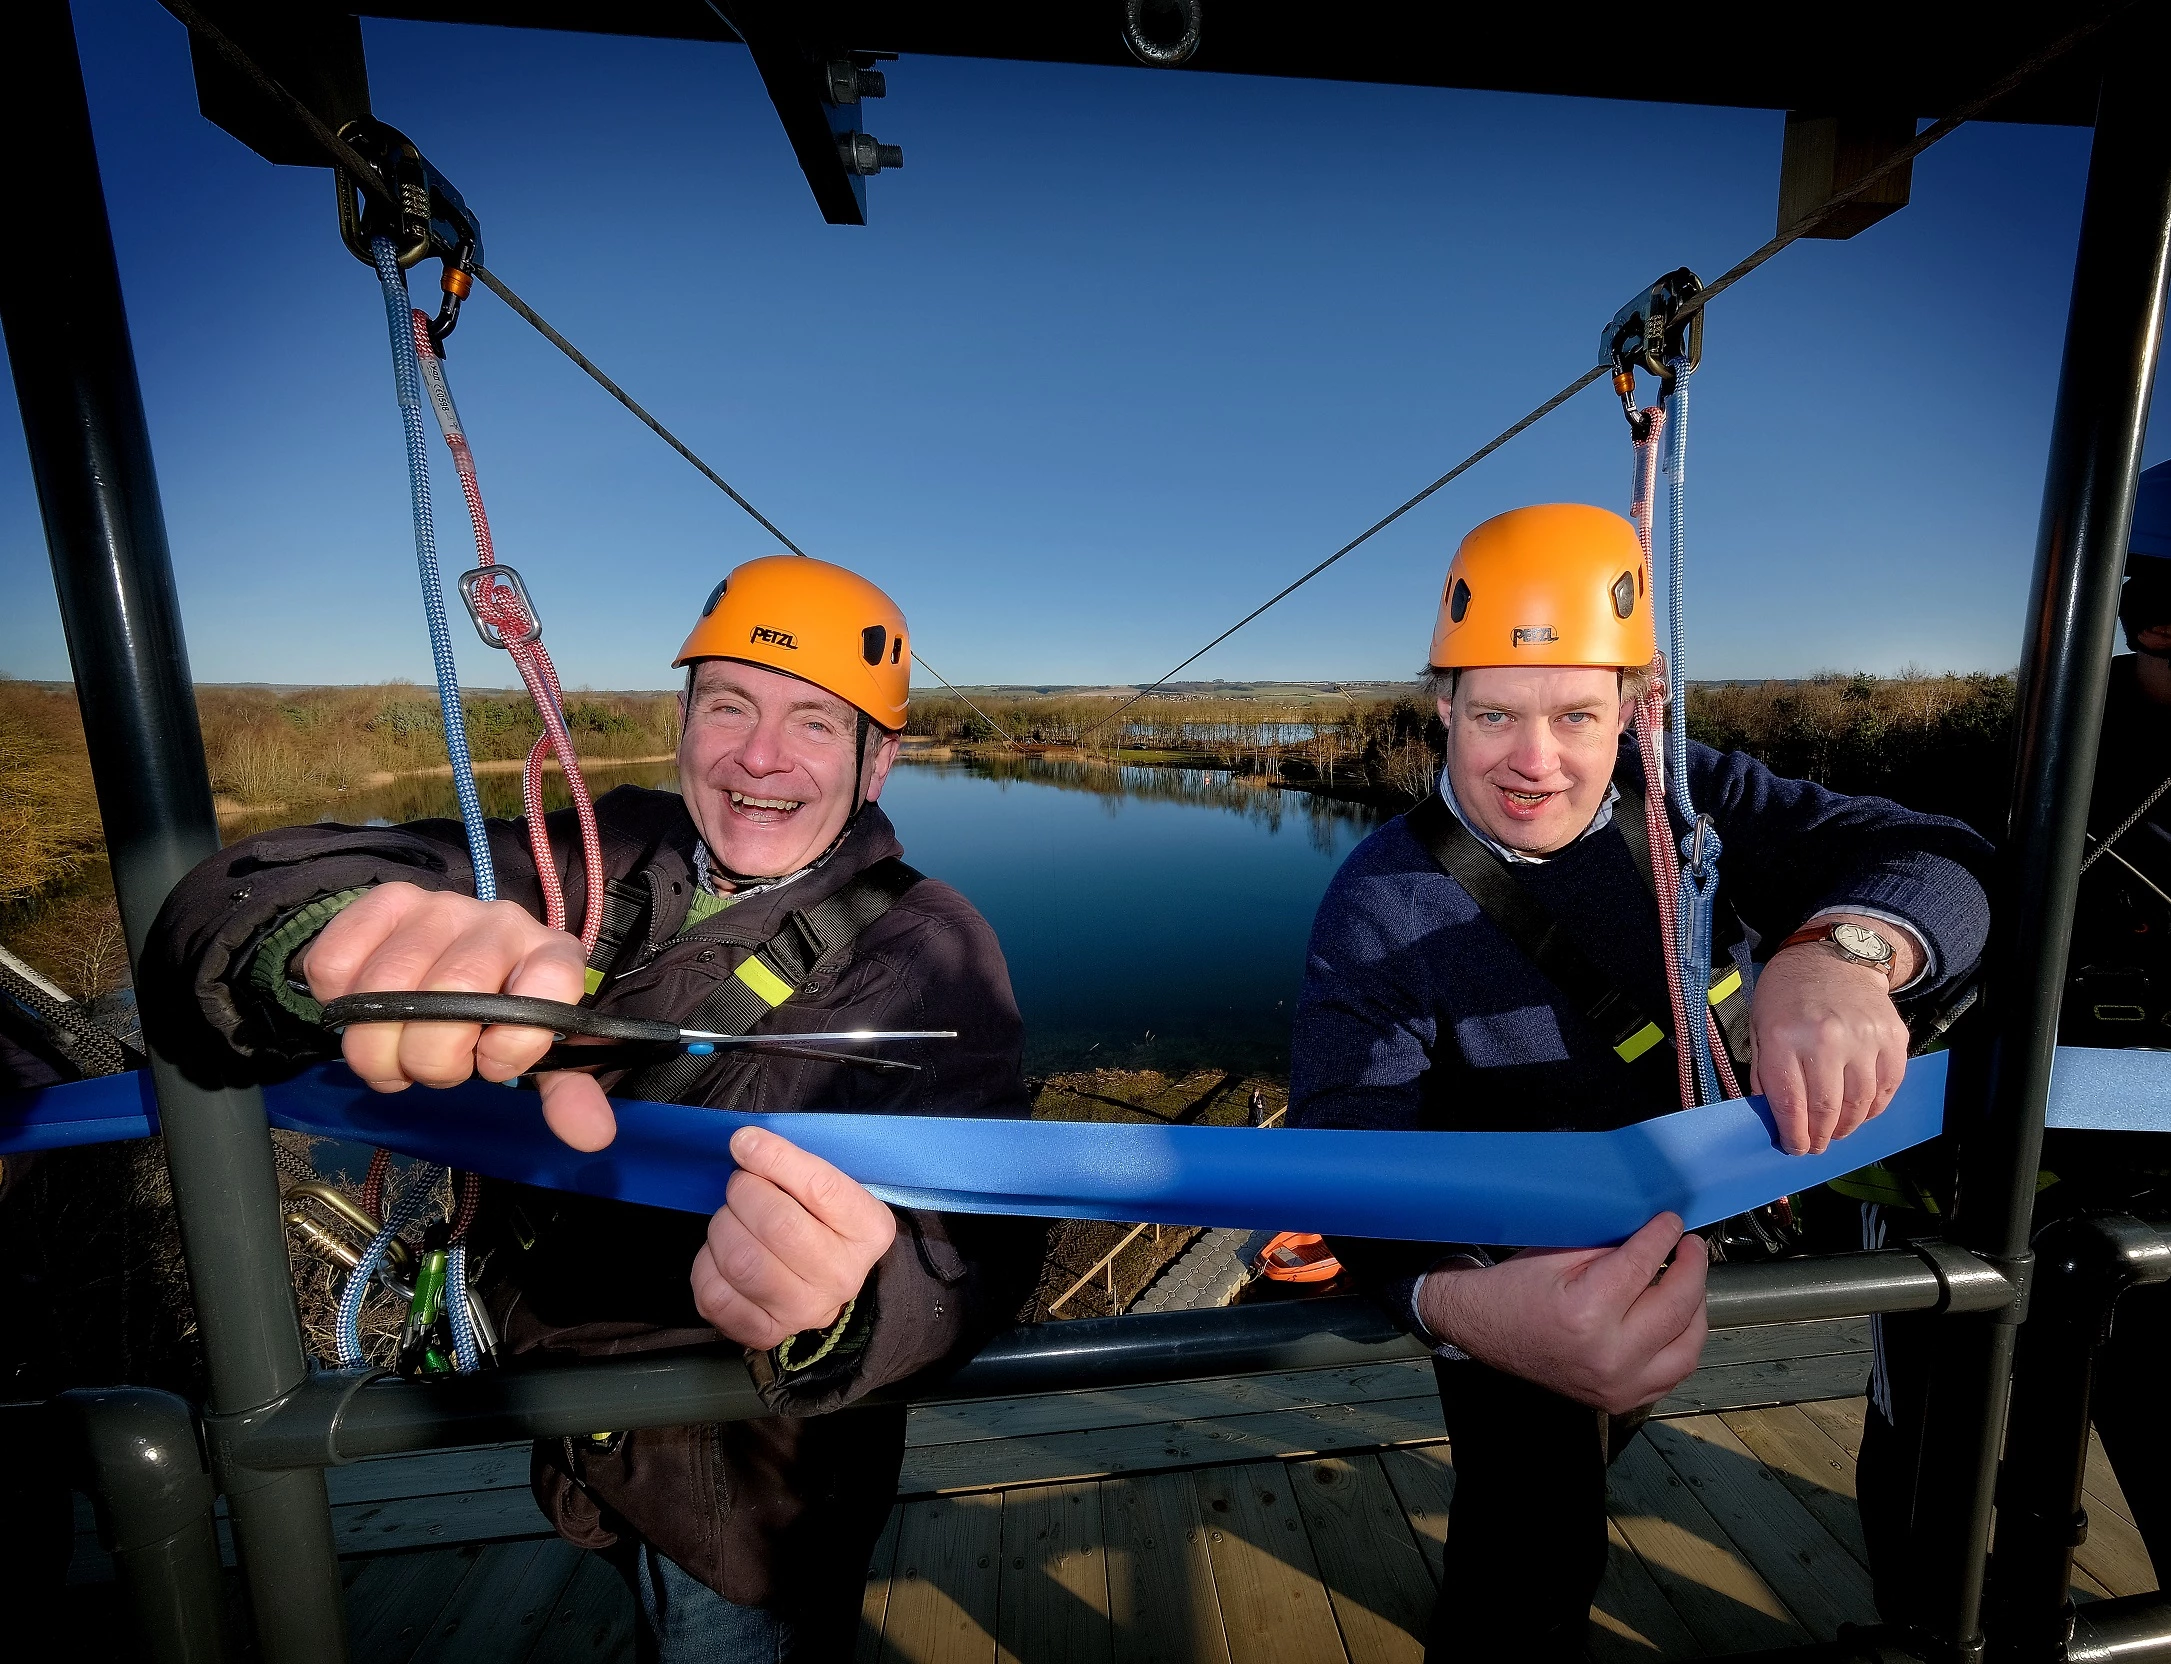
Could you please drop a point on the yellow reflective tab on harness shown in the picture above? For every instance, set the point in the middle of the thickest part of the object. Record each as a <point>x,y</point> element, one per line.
<point>763,981</point>
<point>591,979</point>
<point>1725,988</point>
<point>1640,1042</point>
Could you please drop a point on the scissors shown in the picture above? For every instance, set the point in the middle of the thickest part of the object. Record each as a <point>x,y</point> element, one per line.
<point>629,1040</point>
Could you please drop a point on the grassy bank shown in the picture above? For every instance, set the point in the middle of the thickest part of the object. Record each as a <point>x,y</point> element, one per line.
<point>296,748</point>
<point>1932,742</point>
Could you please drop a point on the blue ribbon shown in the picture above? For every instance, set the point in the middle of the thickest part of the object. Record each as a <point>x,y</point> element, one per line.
<point>1563,1189</point>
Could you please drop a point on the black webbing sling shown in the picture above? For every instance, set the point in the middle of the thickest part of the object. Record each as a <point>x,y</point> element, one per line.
<point>774,971</point>
<point>1637,1039</point>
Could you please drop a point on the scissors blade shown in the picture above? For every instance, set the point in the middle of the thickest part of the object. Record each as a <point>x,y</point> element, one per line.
<point>856,1034</point>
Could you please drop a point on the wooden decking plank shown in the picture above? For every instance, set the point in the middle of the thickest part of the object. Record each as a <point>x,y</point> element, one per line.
<point>1821,1583</point>
<point>1049,1458</point>
<point>2114,1554</point>
<point>1052,1598</point>
<point>1162,1603</point>
<point>1840,1419</point>
<point>593,1620</point>
<point>437,1521</point>
<point>942,1600</point>
<point>1274,1608</point>
<point>486,1467</point>
<point>1775,1381</point>
<point>395,1598</point>
<point>2101,1483</point>
<point>961,1420</point>
<point>1424,1480</point>
<point>503,1605</point>
<point>1765,1342</point>
<point>1370,1561</point>
<point>874,1601</point>
<point>1632,1622</point>
<point>1816,1471</point>
<point>1725,1605</point>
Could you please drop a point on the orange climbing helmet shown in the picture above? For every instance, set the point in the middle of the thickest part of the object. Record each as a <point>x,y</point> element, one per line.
<point>815,621</point>
<point>1558,584</point>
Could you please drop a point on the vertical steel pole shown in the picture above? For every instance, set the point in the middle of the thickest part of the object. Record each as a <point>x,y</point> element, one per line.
<point>2113,332</point>
<point>90,456</point>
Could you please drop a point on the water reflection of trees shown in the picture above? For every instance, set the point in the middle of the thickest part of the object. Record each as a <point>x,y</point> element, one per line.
<point>1326,820</point>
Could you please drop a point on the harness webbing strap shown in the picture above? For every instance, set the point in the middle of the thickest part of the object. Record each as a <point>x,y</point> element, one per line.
<point>1536,933</point>
<point>775,970</point>
<point>1542,939</point>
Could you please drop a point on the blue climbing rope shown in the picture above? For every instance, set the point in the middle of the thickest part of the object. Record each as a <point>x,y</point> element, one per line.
<point>401,1216</point>
<point>407,382</point>
<point>1700,844</point>
<point>466,1353</point>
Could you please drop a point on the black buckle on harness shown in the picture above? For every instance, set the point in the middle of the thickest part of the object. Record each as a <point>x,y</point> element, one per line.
<point>431,217</point>
<point>1648,334</point>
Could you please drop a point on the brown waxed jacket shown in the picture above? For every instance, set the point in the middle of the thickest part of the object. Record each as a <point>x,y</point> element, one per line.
<point>778,1511</point>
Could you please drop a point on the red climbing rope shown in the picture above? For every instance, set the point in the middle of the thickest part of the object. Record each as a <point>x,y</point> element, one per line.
<point>506,618</point>
<point>1658,826</point>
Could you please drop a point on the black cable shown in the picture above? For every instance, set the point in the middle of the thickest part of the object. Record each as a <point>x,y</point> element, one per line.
<point>1464,466</point>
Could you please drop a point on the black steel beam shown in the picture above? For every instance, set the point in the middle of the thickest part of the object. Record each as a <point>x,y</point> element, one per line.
<point>2084,1265</point>
<point>2113,332</point>
<point>90,457</point>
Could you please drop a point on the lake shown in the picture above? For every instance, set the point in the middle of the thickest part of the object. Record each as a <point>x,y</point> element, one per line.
<point>1152,917</point>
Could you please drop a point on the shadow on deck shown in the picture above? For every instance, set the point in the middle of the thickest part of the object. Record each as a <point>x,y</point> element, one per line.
<point>1294,1517</point>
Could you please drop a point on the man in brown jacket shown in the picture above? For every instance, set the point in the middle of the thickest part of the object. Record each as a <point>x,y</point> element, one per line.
<point>771,894</point>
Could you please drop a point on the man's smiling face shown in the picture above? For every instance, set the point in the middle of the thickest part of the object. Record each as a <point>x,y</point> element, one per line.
<point>769,765</point>
<point>1531,752</point>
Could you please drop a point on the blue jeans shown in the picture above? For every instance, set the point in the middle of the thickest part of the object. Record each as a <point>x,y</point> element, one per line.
<point>678,1619</point>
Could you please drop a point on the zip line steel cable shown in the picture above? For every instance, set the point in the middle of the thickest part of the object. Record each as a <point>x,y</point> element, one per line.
<point>351,162</point>
<point>1942,128</point>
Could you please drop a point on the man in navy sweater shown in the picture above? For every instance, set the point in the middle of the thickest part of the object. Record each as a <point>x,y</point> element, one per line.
<point>1425,1006</point>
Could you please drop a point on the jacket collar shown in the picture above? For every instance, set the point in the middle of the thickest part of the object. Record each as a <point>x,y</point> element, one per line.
<point>757,917</point>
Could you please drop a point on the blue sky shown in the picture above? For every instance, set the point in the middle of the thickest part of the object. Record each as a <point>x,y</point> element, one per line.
<point>1120,353</point>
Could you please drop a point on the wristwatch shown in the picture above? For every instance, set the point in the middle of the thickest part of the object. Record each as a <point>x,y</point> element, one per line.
<point>1855,943</point>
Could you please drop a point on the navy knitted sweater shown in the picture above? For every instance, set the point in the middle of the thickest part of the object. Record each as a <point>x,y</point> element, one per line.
<point>1417,1012</point>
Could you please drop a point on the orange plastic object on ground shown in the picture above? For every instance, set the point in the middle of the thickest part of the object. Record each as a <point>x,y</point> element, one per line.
<point>1299,1257</point>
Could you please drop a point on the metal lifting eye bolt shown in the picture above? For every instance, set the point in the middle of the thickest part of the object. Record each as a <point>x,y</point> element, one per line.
<point>865,156</point>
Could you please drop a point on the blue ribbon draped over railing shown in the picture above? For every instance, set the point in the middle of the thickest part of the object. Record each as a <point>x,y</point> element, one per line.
<point>1563,1189</point>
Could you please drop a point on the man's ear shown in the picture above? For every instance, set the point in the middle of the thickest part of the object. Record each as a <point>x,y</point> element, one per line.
<point>878,765</point>
<point>1446,708</point>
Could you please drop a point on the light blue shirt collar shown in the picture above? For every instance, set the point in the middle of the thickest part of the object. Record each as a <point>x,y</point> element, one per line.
<point>1599,822</point>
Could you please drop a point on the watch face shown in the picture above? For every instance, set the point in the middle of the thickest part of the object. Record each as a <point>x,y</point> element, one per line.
<point>1858,941</point>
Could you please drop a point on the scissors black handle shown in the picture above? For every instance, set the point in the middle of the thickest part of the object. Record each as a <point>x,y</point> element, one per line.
<point>511,1010</point>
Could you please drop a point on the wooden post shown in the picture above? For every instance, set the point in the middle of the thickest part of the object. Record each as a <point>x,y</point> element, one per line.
<point>1823,154</point>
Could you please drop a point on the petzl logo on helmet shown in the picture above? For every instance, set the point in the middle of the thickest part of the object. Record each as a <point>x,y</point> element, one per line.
<point>1536,635</point>
<point>775,638</point>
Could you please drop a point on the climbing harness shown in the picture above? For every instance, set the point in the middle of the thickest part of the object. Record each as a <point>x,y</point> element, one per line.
<point>1651,333</point>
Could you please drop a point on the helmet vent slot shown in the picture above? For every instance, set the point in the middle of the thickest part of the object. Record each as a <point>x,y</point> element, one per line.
<point>1458,603</point>
<point>871,642</point>
<point>1624,595</point>
<point>897,649</point>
